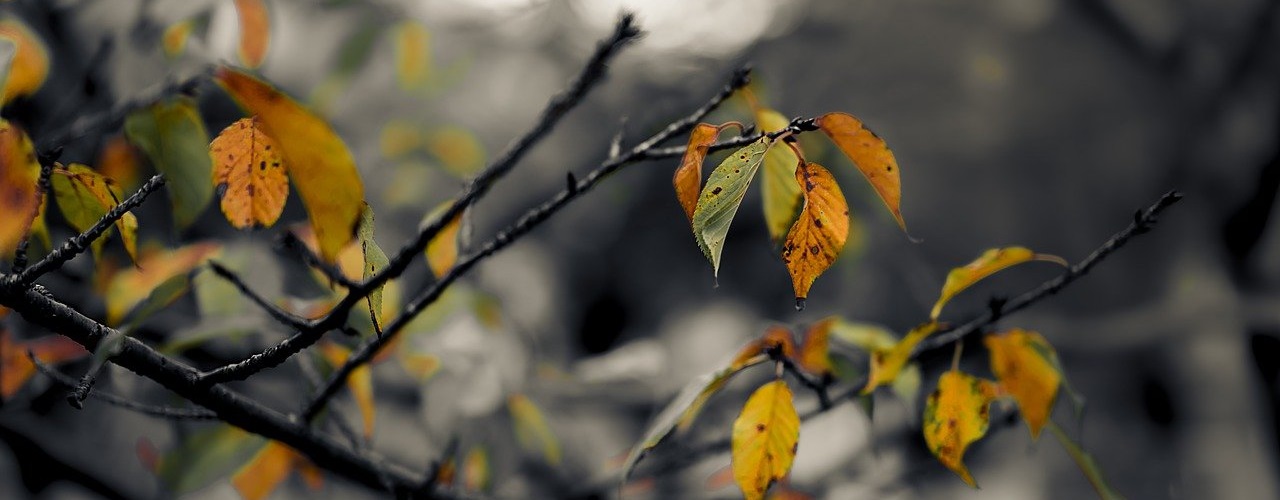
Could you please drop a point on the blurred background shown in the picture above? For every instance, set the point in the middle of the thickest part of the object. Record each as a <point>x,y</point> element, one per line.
<point>1041,123</point>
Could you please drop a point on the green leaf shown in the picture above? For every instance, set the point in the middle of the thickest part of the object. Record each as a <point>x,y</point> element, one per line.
<point>161,297</point>
<point>173,136</point>
<point>1087,465</point>
<point>721,197</point>
<point>205,457</point>
<point>375,260</point>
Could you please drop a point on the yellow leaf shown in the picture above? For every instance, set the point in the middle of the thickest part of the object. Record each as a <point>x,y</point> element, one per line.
<point>819,234</point>
<point>174,40</point>
<point>816,346</point>
<point>531,428</point>
<point>413,54</point>
<point>248,175</point>
<point>421,366</point>
<point>255,31</point>
<point>399,138</point>
<point>475,470</point>
<point>19,172</point>
<point>688,177</point>
<point>84,196</point>
<point>119,160</point>
<point>780,193</point>
<point>319,163</point>
<point>886,364</point>
<point>360,383</point>
<point>16,368</point>
<point>1023,363</point>
<point>268,468</point>
<point>457,148</point>
<point>990,262</point>
<point>765,436</point>
<point>956,415</point>
<point>870,154</point>
<point>130,286</point>
<point>30,64</point>
<point>442,250</point>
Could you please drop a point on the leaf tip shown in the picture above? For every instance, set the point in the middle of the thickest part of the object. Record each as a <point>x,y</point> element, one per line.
<point>800,303</point>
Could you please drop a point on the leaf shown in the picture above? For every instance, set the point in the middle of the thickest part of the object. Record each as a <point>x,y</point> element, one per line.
<point>118,160</point>
<point>352,56</point>
<point>420,366</point>
<point>1023,362</point>
<point>990,262</point>
<point>413,54</point>
<point>360,383</point>
<point>375,260</point>
<point>869,153</point>
<point>160,298</point>
<point>886,364</point>
<point>457,149</point>
<point>1086,463</point>
<point>255,31</point>
<point>442,250</point>
<point>531,428</point>
<point>906,386</point>
<point>16,368</point>
<point>819,234</point>
<point>30,64</point>
<point>130,286</point>
<point>248,175</point>
<point>85,196</point>
<point>956,415</point>
<point>780,193</point>
<point>778,337</point>
<point>865,336</point>
<point>687,179</point>
<point>205,457</point>
<point>765,436</point>
<point>475,470</point>
<point>721,197</point>
<point>19,196</point>
<point>319,163</point>
<point>270,467</point>
<point>815,349</point>
<point>399,138</point>
<point>174,39</point>
<point>172,134</point>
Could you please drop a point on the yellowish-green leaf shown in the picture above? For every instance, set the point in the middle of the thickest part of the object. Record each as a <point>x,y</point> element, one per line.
<point>865,336</point>
<point>442,250</point>
<point>818,236</point>
<point>399,138</point>
<point>531,428</point>
<point>421,366</point>
<point>722,196</point>
<point>375,260</point>
<point>172,134</point>
<point>174,40</point>
<point>956,415</point>
<point>19,198</point>
<point>84,196</point>
<point>458,149</point>
<point>155,266</point>
<point>319,163</point>
<point>780,193</point>
<point>360,383</point>
<point>30,64</point>
<point>990,262</point>
<point>413,54</point>
<point>687,179</point>
<point>765,436</point>
<point>475,470</point>
<point>1086,463</point>
<point>1023,363</point>
<point>255,31</point>
<point>886,364</point>
<point>249,175</point>
<point>815,349</point>
<point>870,154</point>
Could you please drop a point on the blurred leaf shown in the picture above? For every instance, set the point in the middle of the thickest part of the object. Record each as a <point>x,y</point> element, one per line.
<point>990,262</point>
<point>174,40</point>
<point>886,364</point>
<point>1022,363</point>
<point>420,366</point>
<point>457,149</point>
<point>399,138</point>
<point>375,260</point>
<point>721,197</point>
<point>249,175</point>
<point>475,470</point>
<point>1086,463</point>
<point>765,436</point>
<point>319,163</point>
<point>119,160</point>
<point>870,155</point>
<point>688,177</point>
<point>205,457</point>
<point>85,196</point>
<point>360,383</point>
<point>778,337</point>
<point>956,415</point>
<point>255,31</point>
<point>172,134</point>
<point>868,337</point>
<point>442,250</point>
<point>270,467</point>
<point>531,428</point>
<point>819,233</point>
<point>353,54</point>
<point>780,193</point>
<point>815,349</point>
<point>156,266</point>
<point>30,64</point>
<point>447,472</point>
<point>160,298</point>
<point>906,386</point>
<point>413,54</point>
<point>19,198</point>
<point>16,368</point>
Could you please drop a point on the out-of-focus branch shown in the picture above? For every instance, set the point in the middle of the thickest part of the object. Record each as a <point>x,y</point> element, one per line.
<point>117,112</point>
<point>123,402</point>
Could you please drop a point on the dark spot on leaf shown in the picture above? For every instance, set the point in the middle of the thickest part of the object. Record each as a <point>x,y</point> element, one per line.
<point>249,189</point>
<point>759,427</point>
<point>275,164</point>
<point>268,148</point>
<point>716,190</point>
<point>817,223</point>
<point>220,190</point>
<point>888,168</point>
<point>262,165</point>
<point>813,249</point>
<point>231,157</point>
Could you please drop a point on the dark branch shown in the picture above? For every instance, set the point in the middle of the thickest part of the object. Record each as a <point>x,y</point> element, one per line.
<point>122,402</point>
<point>290,241</point>
<point>276,313</point>
<point>42,190</point>
<point>116,113</point>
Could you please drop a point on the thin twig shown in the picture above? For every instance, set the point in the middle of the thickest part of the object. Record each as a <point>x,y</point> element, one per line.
<point>290,241</point>
<point>117,112</point>
<point>122,402</point>
<point>42,190</point>
<point>276,312</point>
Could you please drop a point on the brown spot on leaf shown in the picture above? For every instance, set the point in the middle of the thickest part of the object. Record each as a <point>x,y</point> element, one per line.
<point>716,190</point>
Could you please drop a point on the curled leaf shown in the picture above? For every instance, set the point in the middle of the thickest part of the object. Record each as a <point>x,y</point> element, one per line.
<point>255,31</point>
<point>319,163</point>
<point>249,175</point>
<point>722,196</point>
<point>956,415</point>
<point>819,233</point>
<point>886,364</point>
<point>19,199</point>
<point>1024,363</point>
<point>765,436</point>
<point>30,64</point>
<point>869,153</point>
<point>688,177</point>
<point>990,262</point>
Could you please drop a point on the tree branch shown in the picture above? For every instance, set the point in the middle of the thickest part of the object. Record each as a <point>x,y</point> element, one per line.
<point>275,312</point>
<point>122,402</point>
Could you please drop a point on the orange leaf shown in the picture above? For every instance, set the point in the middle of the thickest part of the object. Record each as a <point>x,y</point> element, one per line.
<point>421,366</point>
<point>248,175</point>
<point>255,31</point>
<point>16,368</point>
<point>119,160</point>
<point>956,415</point>
<point>778,337</point>
<point>447,472</point>
<point>475,470</point>
<point>30,64</point>
<point>870,154</point>
<point>262,474</point>
<point>819,233</point>
<point>360,383</point>
<point>531,428</point>
<point>816,346</point>
<point>765,436</point>
<point>990,262</point>
<point>319,163</point>
<point>175,37</point>
<point>130,286</point>
<point>413,54</point>
<point>886,364</point>
<point>688,177</point>
<point>19,172</point>
<point>1024,363</point>
<point>442,250</point>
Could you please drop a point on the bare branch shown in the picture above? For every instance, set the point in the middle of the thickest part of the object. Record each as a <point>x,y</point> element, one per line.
<point>122,402</point>
<point>42,190</point>
<point>276,313</point>
<point>290,241</point>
